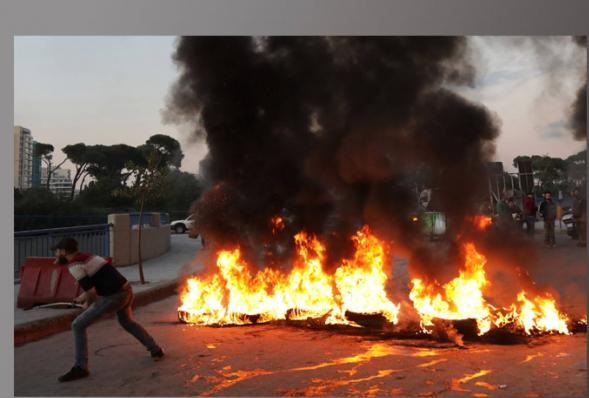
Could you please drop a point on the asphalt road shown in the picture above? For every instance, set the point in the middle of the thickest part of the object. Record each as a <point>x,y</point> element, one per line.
<point>278,360</point>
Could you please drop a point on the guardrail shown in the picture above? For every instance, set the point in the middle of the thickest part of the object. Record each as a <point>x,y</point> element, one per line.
<point>91,238</point>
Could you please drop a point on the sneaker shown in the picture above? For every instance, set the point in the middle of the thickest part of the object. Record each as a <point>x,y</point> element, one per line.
<point>75,373</point>
<point>157,355</point>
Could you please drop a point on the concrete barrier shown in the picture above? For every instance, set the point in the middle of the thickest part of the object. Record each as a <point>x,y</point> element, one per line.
<point>124,239</point>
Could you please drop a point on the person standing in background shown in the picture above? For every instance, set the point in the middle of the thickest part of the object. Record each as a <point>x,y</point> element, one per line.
<point>580,216</point>
<point>548,213</point>
<point>530,210</point>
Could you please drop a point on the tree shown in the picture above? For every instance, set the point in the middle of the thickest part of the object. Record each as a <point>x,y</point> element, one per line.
<point>45,152</point>
<point>182,189</point>
<point>148,173</point>
<point>576,168</point>
<point>108,162</point>
<point>107,166</point>
<point>169,149</point>
<point>78,154</point>
<point>550,172</point>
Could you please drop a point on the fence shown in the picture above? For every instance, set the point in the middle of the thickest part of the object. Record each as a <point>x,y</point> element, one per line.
<point>27,222</point>
<point>91,238</point>
<point>148,218</point>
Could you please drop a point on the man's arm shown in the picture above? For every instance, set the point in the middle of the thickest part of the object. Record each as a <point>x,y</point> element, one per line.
<point>86,298</point>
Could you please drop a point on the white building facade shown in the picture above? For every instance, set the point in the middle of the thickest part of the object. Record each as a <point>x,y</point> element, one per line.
<point>23,157</point>
<point>60,183</point>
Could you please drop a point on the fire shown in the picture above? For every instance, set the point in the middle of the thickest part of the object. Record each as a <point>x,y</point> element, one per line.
<point>235,296</point>
<point>361,281</point>
<point>232,294</point>
<point>461,298</point>
<point>481,222</point>
<point>277,224</point>
<point>538,315</point>
<point>308,291</point>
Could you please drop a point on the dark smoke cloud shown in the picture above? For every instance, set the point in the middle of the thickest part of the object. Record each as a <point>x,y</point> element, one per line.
<point>578,118</point>
<point>330,131</point>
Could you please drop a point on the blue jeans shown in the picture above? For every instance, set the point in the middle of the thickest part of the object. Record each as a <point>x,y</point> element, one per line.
<point>121,303</point>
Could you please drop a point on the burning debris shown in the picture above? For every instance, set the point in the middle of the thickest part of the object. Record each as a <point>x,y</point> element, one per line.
<point>355,294</point>
<point>233,293</point>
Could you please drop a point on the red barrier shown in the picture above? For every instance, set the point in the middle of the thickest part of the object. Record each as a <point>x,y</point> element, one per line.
<point>43,282</point>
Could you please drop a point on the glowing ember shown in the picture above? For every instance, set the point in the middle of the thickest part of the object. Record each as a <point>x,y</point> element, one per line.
<point>277,224</point>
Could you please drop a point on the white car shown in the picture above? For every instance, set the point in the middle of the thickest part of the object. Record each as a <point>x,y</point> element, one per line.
<point>181,226</point>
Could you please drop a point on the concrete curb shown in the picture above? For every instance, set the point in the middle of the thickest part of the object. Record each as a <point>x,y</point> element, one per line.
<point>36,330</point>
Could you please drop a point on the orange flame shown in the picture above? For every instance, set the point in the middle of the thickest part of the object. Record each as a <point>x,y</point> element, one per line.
<point>277,224</point>
<point>538,315</point>
<point>358,285</point>
<point>236,295</point>
<point>462,298</point>
<point>361,281</point>
<point>308,290</point>
<point>481,222</point>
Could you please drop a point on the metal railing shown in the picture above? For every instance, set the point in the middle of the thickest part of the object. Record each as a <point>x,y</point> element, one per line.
<point>91,238</point>
<point>145,220</point>
<point>148,218</point>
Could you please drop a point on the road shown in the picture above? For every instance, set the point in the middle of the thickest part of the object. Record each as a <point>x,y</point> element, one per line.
<point>277,359</point>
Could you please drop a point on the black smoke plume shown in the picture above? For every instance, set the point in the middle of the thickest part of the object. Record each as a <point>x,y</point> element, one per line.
<point>578,119</point>
<point>332,133</point>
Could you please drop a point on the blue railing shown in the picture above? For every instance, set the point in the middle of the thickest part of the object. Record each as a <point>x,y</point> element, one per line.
<point>148,218</point>
<point>134,219</point>
<point>91,238</point>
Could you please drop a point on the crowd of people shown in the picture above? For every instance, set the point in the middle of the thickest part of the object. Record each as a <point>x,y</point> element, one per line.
<point>510,217</point>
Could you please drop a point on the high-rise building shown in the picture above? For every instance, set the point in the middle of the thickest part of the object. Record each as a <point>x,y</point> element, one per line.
<point>36,168</point>
<point>23,157</point>
<point>60,183</point>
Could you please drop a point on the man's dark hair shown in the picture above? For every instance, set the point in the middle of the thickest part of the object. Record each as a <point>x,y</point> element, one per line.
<point>545,192</point>
<point>70,245</point>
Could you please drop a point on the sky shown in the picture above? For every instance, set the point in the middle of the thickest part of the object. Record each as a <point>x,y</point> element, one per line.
<point>109,90</point>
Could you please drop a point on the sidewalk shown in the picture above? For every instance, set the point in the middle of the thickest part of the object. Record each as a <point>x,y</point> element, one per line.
<point>161,273</point>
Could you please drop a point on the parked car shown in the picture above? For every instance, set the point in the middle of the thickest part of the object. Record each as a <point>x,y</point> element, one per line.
<point>570,224</point>
<point>181,226</point>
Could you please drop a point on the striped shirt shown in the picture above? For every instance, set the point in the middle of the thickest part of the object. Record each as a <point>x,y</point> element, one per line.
<point>92,271</point>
